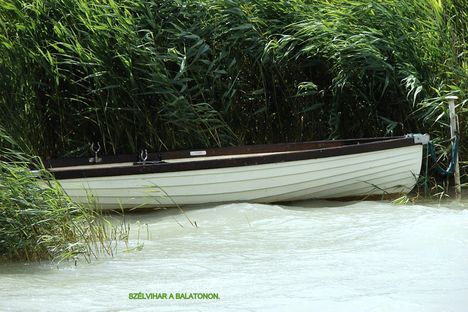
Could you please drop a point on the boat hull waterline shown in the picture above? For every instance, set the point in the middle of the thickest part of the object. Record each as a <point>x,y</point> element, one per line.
<point>376,172</point>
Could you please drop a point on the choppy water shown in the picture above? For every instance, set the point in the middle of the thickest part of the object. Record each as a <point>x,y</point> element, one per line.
<point>319,256</point>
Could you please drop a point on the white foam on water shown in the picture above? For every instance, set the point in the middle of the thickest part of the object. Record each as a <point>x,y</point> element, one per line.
<point>319,256</point>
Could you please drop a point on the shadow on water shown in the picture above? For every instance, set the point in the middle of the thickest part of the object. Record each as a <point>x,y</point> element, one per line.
<point>308,204</point>
<point>156,213</point>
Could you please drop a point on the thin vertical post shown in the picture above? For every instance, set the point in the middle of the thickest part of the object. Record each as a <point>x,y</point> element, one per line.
<point>453,133</point>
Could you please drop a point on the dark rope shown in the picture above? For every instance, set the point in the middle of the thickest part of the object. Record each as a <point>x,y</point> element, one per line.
<point>454,152</point>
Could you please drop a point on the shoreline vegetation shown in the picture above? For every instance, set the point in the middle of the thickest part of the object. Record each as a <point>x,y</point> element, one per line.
<point>166,75</point>
<point>38,221</point>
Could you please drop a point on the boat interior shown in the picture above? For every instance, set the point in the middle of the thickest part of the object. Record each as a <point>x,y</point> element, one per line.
<point>145,158</point>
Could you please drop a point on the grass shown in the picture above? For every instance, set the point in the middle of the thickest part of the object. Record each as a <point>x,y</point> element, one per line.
<point>39,221</point>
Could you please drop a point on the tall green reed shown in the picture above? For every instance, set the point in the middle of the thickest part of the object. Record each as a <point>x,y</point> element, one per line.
<point>39,221</point>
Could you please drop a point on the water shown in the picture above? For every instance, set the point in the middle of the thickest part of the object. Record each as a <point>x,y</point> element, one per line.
<point>318,256</point>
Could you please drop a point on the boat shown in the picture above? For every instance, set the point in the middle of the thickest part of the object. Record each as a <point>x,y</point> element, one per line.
<point>271,173</point>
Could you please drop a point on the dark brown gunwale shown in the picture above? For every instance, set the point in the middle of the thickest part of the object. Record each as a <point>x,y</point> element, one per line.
<point>236,162</point>
<point>231,150</point>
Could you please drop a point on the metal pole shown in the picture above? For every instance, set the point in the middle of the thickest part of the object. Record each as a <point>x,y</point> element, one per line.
<point>453,132</point>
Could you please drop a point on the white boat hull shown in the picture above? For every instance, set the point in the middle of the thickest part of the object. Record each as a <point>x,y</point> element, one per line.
<point>371,173</point>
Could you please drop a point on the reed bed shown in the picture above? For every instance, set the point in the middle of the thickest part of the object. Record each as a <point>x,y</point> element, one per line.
<point>179,74</point>
<point>39,221</point>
